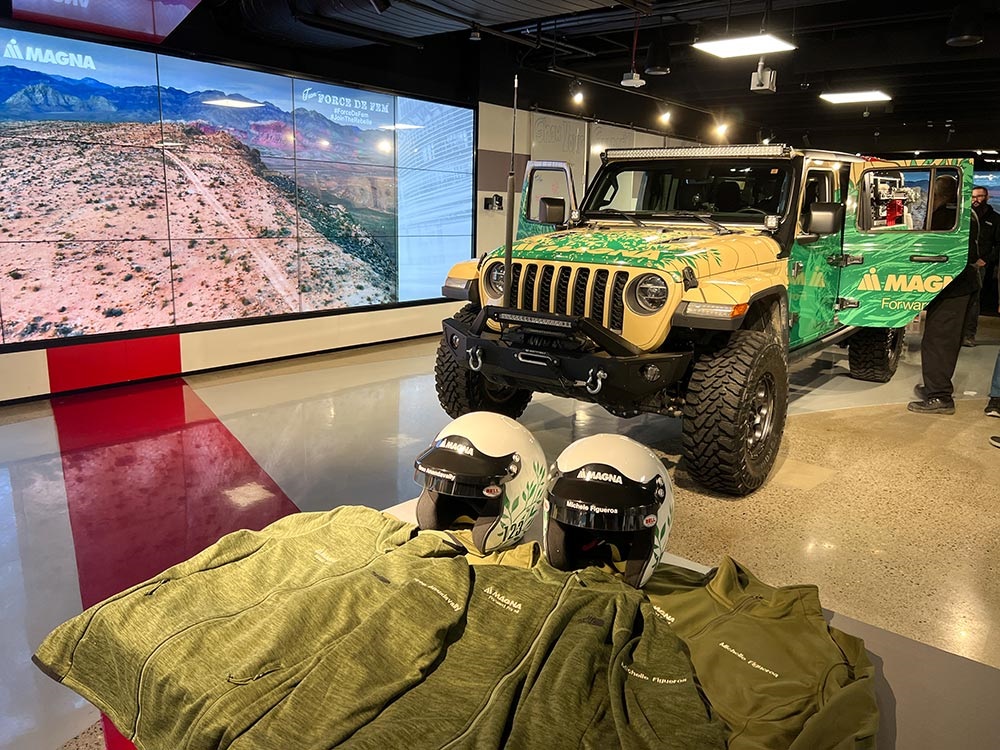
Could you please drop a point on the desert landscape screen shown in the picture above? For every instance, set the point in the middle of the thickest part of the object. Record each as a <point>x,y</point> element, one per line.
<point>143,191</point>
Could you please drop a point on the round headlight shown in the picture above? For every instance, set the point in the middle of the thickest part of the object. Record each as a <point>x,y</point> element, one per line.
<point>650,293</point>
<point>494,280</point>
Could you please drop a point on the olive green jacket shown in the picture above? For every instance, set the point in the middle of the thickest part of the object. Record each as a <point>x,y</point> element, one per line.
<point>350,629</point>
<point>774,670</point>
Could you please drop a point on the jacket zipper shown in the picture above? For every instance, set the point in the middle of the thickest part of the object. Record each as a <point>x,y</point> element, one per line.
<point>513,672</point>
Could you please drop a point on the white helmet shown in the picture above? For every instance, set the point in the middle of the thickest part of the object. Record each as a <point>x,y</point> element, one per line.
<point>484,470</point>
<point>610,499</point>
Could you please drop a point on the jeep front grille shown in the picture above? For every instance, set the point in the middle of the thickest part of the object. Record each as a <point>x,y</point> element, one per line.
<point>570,290</point>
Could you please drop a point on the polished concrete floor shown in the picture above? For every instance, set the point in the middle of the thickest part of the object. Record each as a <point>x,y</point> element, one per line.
<point>894,515</point>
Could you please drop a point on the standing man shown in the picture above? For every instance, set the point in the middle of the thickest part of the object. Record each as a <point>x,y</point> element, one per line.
<point>942,339</point>
<point>989,236</point>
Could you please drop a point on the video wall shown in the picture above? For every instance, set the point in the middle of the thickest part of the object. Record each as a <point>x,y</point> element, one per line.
<point>142,190</point>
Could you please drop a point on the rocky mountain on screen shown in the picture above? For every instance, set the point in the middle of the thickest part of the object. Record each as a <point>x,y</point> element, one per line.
<point>30,95</point>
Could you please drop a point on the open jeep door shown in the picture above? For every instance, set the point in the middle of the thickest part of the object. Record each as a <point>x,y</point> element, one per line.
<point>906,236</point>
<point>551,181</point>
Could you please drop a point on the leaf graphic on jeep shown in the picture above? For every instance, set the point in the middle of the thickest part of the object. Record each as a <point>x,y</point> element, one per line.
<point>637,249</point>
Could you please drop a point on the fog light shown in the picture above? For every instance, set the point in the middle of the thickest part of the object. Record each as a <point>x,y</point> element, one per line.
<point>454,341</point>
<point>651,373</point>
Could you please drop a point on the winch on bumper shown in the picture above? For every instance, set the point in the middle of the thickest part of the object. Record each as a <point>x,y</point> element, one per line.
<point>542,352</point>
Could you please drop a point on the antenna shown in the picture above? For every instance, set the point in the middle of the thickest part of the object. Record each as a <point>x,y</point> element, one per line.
<point>508,249</point>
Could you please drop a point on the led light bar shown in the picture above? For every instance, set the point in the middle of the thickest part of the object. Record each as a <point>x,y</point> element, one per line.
<point>699,152</point>
<point>761,44</point>
<point>851,97</point>
<point>505,317</point>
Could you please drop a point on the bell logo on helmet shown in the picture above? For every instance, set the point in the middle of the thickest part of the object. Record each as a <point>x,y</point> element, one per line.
<point>492,491</point>
<point>601,476</point>
<point>649,521</point>
<point>451,445</point>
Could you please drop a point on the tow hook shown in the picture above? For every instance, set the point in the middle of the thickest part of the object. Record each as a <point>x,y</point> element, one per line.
<point>595,381</point>
<point>476,359</point>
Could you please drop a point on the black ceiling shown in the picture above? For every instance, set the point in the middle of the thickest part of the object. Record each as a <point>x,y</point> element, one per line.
<point>944,97</point>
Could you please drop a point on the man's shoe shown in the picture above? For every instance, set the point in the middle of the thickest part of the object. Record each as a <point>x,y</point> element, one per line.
<point>993,407</point>
<point>920,391</point>
<point>968,341</point>
<point>934,405</point>
<point>995,441</point>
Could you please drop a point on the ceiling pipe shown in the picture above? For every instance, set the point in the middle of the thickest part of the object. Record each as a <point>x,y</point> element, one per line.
<point>617,87</point>
<point>515,38</point>
<point>353,30</point>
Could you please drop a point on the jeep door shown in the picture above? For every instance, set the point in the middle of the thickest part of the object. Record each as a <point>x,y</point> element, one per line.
<point>814,261</point>
<point>906,237</point>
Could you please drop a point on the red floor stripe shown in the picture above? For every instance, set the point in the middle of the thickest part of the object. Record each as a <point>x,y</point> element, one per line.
<point>152,478</point>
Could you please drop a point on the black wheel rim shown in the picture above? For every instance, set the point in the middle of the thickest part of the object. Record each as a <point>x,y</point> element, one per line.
<point>498,394</point>
<point>760,418</point>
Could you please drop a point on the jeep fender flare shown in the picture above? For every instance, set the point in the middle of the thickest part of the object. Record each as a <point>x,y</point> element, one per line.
<point>776,292</point>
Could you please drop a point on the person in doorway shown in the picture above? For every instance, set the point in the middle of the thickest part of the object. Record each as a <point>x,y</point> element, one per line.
<point>942,339</point>
<point>945,207</point>
<point>989,237</point>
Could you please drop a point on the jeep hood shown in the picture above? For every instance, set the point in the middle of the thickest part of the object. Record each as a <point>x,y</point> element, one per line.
<point>649,247</point>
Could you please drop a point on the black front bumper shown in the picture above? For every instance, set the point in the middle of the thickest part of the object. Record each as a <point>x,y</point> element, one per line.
<point>611,371</point>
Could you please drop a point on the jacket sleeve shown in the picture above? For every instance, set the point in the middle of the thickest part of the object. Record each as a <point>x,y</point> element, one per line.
<point>847,718</point>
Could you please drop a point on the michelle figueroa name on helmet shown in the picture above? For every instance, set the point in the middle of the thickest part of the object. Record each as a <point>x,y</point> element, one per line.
<point>590,507</point>
<point>436,473</point>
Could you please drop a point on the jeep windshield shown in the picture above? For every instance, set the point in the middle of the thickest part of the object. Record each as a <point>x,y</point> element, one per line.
<point>725,190</point>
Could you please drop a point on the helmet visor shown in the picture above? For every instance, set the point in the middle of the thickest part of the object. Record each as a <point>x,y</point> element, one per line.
<point>453,466</point>
<point>603,507</point>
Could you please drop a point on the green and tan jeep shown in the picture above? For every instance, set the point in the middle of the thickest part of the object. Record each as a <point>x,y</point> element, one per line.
<point>687,278</point>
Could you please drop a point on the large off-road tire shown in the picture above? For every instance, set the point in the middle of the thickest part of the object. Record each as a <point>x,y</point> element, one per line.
<point>873,353</point>
<point>461,390</point>
<point>734,413</point>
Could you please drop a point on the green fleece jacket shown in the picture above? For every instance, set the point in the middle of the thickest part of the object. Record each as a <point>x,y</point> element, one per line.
<point>767,660</point>
<point>349,629</point>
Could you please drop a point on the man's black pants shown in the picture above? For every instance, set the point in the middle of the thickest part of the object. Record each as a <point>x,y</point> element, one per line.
<point>941,344</point>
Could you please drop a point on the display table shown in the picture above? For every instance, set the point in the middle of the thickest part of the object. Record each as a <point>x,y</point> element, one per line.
<point>928,699</point>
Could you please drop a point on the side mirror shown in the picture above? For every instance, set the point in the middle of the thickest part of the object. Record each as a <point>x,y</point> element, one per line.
<point>552,210</point>
<point>823,218</point>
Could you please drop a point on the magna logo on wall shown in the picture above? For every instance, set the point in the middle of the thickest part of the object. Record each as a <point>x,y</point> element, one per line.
<point>13,51</point>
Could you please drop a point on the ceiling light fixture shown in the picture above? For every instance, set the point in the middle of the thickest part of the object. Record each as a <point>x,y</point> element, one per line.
<point>853,97</point>
<point>632,79</point>
<point>720,129</point>
<point>576,92</point>
<point>665,117</point>
<point>761,44</point>
<point>965,29</point>
<point>234,103</point>
<point>658,56</point>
